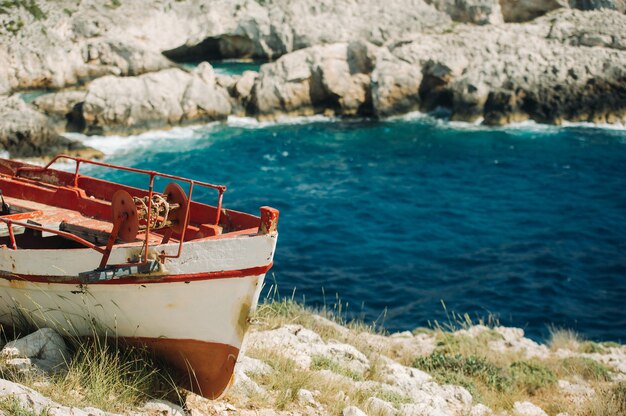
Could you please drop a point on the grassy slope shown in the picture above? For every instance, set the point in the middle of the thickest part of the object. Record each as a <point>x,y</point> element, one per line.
<point>100,374</point>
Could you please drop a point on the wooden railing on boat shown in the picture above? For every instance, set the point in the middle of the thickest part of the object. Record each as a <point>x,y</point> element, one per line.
<point>106,251</point>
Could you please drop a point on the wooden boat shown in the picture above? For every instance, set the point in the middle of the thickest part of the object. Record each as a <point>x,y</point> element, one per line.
<point>153,268</point>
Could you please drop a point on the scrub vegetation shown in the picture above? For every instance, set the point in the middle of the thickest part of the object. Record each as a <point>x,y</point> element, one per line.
<point>99,373</point>
<point>496,379</point>
<point>103,374</point>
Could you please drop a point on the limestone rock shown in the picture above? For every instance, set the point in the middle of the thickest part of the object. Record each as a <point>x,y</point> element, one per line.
<point>60,107</point>
<point>525,10</point>
<point>527,409</point>
<point>353,411</point>
<point>166,98</point>
<point>376,406</point>
<point>247,366</point>
<point>25,132</point>
<point>64,43</point>
<point>44,347</point>
<point>302,345</point>
<point>326,323</point>
<point>480,410</point>
<point>306,397</point>
<point>602,28</point>
<point>242,88</point>
<point>157,407</point>
<point>332,79</point>
<point>43,47</point>
<point>503,74</point>
<point>480,12</point>
<point>34,402</point>
<point>577,392</point>
<point>419,387</point>
<point>513,340</point>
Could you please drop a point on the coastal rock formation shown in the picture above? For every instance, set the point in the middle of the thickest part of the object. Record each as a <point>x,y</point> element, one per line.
<point>64,43</point>
<point>568,66</point>
<point>50,45</point>
<point>480,12</point>
<point>24,132</point>
<point>61,107</point>
<point>339,58</point>
<point>155,100</point>
<point>272,28</point>
<point>509,75</point>
<point>332,79</point>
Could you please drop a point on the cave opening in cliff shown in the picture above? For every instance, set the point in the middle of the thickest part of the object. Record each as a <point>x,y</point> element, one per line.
<point>214,49</point>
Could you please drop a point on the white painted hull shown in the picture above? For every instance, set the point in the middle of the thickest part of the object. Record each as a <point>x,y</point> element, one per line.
<point>205,296</point>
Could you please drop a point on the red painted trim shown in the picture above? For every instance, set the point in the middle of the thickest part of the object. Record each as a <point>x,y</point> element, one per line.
<point>191,277</point>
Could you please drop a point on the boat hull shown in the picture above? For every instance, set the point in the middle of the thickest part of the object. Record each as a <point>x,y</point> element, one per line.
<point>194,320</point>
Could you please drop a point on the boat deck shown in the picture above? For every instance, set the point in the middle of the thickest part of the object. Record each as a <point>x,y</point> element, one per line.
<point>91,229</point>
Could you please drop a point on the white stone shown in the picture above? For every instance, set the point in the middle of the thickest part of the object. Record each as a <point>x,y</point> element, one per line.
<point>577,392</point>
<point>514,340</point>
<point>325,322</point>
<point>306,396</point>
<point>45,348</point>
<point>353,411</point>
<point>379,407</point>
<point>480,410</point>
<point>421,409</point>
<point>32,401</point>
<point>527,409</point>
<point>163,408</point>
<point>301,345</point>
<point>251,365</point>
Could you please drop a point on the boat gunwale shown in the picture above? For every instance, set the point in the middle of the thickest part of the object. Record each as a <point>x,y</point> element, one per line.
<point>141,279</point>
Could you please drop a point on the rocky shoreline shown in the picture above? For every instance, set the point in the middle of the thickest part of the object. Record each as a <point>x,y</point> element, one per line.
<point>298,362</point>
<point>112,66</point>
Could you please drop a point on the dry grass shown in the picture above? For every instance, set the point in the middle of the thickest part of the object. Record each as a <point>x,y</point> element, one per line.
<point>336,387</point>
<point>103,374</point>
<point>561,338</point>
<point>276,311</point>
<point>610,401</point>
<point>495,379</point>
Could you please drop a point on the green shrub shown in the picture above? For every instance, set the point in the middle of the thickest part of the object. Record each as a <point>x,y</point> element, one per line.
<point>447,369</point>
<point>590,347</point>
<point>531,376</point>
<point>320,362</point>
<point>10,405</point>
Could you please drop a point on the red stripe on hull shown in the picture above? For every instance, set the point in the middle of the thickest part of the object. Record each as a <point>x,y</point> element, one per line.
<point>226,274</point>
<point>206,367</point>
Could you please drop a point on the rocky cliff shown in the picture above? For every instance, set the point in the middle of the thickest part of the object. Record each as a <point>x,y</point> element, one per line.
<point>346,58</point>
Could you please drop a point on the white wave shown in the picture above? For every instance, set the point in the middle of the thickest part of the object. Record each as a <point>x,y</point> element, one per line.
<point>528,125</point>
<point>588,125</point>
<point>413,115</point>
<point>114,144</point>
<point>251,122</point>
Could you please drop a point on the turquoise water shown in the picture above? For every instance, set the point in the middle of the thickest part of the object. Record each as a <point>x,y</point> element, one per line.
<point>527,223</point>
<point>228,66</point>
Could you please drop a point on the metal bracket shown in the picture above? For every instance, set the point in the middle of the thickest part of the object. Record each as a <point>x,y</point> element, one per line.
<point>118,272</point>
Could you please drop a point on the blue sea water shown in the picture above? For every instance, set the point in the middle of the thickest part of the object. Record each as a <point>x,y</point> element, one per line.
<point>527,223</point>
